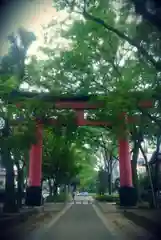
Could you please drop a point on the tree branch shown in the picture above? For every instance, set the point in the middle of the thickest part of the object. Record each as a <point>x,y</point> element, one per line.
<point>123,36</point>
<point>152,118</point>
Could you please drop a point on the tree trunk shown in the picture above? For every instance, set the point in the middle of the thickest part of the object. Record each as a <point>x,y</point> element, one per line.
<point>153,200</point>
<point>110,175</point>
<point>156,175</point>
<point>10,196</point>
<point>134,164</point>
<point>55,188</point>
<point>109,184</point>
<point>63,188</point>
<point>20,190</point>
<point>50,187</point>
<point>108,168</point>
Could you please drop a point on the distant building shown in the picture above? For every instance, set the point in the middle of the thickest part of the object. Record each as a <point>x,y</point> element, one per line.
<point>141,168</point>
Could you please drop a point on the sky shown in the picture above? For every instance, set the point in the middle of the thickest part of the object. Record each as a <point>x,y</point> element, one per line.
<point>30,14</point>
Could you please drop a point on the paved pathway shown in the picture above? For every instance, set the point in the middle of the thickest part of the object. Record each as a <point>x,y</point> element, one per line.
<point>79,222</point>
<point>83,200</point>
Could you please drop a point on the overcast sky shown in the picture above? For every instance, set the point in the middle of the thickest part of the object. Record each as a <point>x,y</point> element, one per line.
<point>23,13</point>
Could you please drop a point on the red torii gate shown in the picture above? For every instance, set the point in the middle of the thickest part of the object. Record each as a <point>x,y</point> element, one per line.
<point>127,191</point>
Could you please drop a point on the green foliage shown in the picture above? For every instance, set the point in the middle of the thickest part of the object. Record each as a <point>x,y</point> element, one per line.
<point>88,175</point>
<point>107,198</point>
<point>100,62</point>
<point>63,159</point>
<point>96,63</point>
<point>62,197</point>
<point>144,182</point>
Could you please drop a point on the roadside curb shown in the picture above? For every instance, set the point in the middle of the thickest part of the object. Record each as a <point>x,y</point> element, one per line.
<point>109,226</point>
<point>59,215</point>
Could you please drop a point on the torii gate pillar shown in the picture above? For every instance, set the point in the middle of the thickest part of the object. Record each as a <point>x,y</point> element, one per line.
<point>127,192</point>
<point>34,190</point>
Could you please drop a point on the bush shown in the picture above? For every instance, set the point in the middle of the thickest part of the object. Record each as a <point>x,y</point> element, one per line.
<point>58,198</point>
<point>107,198</point>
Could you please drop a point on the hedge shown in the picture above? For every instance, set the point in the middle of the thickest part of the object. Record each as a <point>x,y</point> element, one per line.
<point>107,198</point>
<point>58,198</point>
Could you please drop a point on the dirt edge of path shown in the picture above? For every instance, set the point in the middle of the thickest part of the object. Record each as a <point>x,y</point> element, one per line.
<point>34,222</point>
<point>125,227</point>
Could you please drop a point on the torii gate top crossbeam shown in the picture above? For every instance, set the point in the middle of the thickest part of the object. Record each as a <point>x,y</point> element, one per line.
<point>64,102</point>
<point>77,103</point>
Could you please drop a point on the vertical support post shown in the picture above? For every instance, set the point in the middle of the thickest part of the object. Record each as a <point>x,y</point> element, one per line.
<point>125,163</point>
<point>80,117</point>
<point>128,196</point>
<point>33,192</point>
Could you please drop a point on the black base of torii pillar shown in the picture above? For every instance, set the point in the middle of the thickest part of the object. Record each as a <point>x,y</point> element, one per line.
<point>34,190</point>
<point>33,196</point>
<point>127,196</point>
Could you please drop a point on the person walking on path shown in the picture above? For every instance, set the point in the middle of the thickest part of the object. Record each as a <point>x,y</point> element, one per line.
<point>73,195</point>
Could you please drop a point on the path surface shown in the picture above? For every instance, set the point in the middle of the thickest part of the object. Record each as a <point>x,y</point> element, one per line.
<point>79,222</point>
<point>83,200</point>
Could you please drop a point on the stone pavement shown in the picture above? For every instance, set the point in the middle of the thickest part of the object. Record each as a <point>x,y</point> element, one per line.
<point>83,200</point>
<point>80,221</point>
<point>85,221</point>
